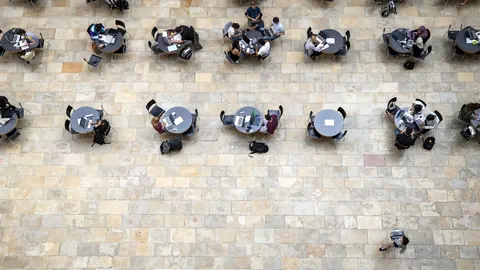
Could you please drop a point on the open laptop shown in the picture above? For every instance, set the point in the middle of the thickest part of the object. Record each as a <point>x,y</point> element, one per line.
<point>269,32</point>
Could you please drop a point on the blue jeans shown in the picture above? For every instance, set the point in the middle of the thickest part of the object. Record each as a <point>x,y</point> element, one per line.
<point>397,131</point>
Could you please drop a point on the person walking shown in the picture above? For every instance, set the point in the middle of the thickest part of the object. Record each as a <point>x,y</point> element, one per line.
<point>399,240</point>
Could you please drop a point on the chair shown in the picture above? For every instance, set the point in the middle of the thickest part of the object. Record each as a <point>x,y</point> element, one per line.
<point>121,27</point>
<point>12,135</point>
<point>428,37</point>
<point>400,146</point>
<point>195,116</point>
<point>225,29</point>
<point>342,112</point>
<point>68,128</point>
<point>192,130</point>
<point>154,33</point>
<point>312,132</point>
<point>343,52</point>
<point>424,54</point>
<point>227,120</point>
<point>340,135</point>
<point>229,58</point>
<point>100,113</point>
<point>69,111</point>
<point>440,117</point>
<point>2,51</point>
<point>94,61</point>
<point>311,117</point>
<point>122,50</point>
<point>452,35</point>
<point>41,42</point>
<point>391,52</point>
<point>153,109</point>
<point>20,112</point>
<point>392,108</point>
<point>347,36</point>
<point>278,112</point>
<point>421,101</point>
<point>456,51</point>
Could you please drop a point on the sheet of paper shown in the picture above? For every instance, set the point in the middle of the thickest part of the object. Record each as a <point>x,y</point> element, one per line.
<point>469,41</point>
<point>330,40</point>
<point>178,121</point>
<point>172,48</point>
<point>24,45</point>
<point>89,124</point>
<point>247,118</point>
<point>325,47</point>
<point>164,34</point>
<point>78,121</point>
<point>329,122</point>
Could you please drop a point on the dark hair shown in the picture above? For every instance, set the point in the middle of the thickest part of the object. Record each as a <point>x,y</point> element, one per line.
<point>431,117</point>
<point>417,108</point>
<point>235,25</point>
<point>254,3</point>
<point>276,19</point>
<point>178,29</point>
<point>235,45</point>
<point>261,41</point>
<point>268,117</point>
<point>98,26</point>
<point>405,240</point>
<point>409,131</point>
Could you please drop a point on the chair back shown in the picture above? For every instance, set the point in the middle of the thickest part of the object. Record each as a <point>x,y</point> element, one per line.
<point>309,32</point>
<point>20,112</point>
<point>2,51</point>
<point>347,34</point>
<point>150,104</point>
<point>67,125</point>
<point>440,117</point>
<point>340,135</point>
<point>222,113</point>
<point>154,33</point>
<point>229,58</point>
<point>421,101</point>
<point>69,111</point>
<point>12,135</point>
<point>94,60</point>
<point>120,23</point>
<point>311,131</point>
<point>225,28</point>
<point>311,117</point>
<point>428,37</point>
<point>1,31</point>
<point>342,112</point>
<point>429,50</point>
<point>153,109</point>
<point>347,45</point>
<point>150,45</point>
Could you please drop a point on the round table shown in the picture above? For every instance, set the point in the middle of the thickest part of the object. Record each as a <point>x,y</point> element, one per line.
<point>397,46</point>
<point>461,42</point>
<point>248,128</point>
<point>110,47</point>
<point>333,128</point>
<point>402,125</point>
<point>82,112</point>
<point>339,41</point>
<point>163,44</point>
<point>182,112</point>
<point>10,47</point>
<point>251,34</point>
<point>9,126</point>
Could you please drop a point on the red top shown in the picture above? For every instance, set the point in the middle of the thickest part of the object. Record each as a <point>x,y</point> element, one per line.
<point>158,127</point>
<point>272,124</point>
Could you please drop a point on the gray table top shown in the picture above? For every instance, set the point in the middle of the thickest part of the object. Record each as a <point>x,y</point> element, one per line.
<point>182,112</point>
<point>162,43</point>
<point>461,42</point>
<point>252,128</point>
<point>78,114</point>
<point>253,34</point>
<point>111,47</point>
<point>402,125</point>
<point>339,41</point>
<point>9,126</point>
<point>397,46</point>
<point>10,47</point>
<point>328,131</point>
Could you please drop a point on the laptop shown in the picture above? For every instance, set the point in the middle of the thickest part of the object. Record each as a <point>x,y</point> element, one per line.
<point>83,122</point>
<point>268,32</point>
<point>239,121</point>
<point>16,38</point>
<point>246,39</point>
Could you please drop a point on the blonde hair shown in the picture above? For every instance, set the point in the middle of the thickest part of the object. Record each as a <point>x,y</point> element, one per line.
<point>155,120</point>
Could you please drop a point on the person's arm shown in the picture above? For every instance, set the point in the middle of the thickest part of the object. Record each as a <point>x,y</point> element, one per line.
<point>30,40</point>
<point>248,16</point>
<point>258,15</point>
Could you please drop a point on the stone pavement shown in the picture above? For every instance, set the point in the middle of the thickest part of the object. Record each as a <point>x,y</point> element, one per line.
<point>305,205</point>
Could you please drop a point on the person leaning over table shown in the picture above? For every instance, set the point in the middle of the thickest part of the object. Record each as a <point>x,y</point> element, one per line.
<point>187,34</point>
<point>94,31</point>
<point>235,52</point>
<point>405,138</point>
<point>264,51</point>
<point>277,28</point>
<point>254,16</point>
<point>234,32</point>
<point>421,32</point>
<point>313,47</point>
<point>270,124</point>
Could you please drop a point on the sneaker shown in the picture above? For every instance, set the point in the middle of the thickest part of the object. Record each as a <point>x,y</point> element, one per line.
<point>382,249</point>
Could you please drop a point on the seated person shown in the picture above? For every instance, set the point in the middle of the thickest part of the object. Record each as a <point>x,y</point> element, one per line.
<point>404,139</point>
<point>235,52</point>
<point>276,28</point>
<point>417,48</point>
<point>186,34</point>
<point>264,51</point>
<point>234,32</point>
<point>32,39</point>
<point>94,30</point>
<point>28,55</point>
<point>270,124</point>
<point>157,125</point>
<point>314,47</point>
<point>7,110</point>
<point>421,32</point>
<point>429,123</point>
<point>254,17</point>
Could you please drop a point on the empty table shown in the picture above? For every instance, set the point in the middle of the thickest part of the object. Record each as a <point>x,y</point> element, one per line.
<point>339,41</point>
<point>248,120</point>
<point>403,123</point>
<point>328,123</point>
<point>164,44</point>
<point>461,42</point>
<point>9,126</point>
<point>177,120</point>
<point>397,46</point>
<point>87,113</point>
<point>8,42</point>
<point>110,47</point>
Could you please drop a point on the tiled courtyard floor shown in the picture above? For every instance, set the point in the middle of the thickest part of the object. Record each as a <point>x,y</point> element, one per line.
<point>305,205</point>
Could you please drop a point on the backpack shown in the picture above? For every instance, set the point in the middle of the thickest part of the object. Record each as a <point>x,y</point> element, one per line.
<point>429,143</point>
<point>257,147</point>
<point>171,145</point>
<point>123,5</point>
<point>99,138</point>
<point>409,65</point>
<point>389,8</point>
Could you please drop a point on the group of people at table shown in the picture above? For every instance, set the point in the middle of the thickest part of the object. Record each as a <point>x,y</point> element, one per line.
<point>412,122</point>
<point>405,42</point>
<point>9,115</point>
<point>255,39</point>
<point>21,42</point>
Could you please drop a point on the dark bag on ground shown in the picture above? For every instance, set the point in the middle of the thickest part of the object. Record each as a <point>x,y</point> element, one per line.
<point>390,7</point>
<point>257,147</point>
<point>409,65</point>
<point>429,143</point>
<point>123,5</point>
<point>186,53</point>
<point>171,145</point>
<point>99,138</point>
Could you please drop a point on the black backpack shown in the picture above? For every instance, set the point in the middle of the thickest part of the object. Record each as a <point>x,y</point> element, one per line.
<point>257,147</point>
<point>171,145</point>
<point>99,138</point>
<point>429,143</point>
<point>409,65</point>
<point>389,8</point>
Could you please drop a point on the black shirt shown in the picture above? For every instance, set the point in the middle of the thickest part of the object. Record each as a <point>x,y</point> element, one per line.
<point>405,140</point>
<point>187,32</point>
<point>234,57</point>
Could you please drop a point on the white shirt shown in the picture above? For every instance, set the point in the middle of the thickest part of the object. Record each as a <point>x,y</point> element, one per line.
<point>265,49</point>
<point>230,31</point>
<point>278,28</point>
<point>309,46</point>
<point>177,37</point>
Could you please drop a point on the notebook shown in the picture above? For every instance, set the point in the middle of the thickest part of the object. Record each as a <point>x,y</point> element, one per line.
<point>268,32</point>
<point>178,121</point>
<point>172,48</point>
<point>330,40</point>
<point>24,45</point>
<point>329,122</point>
<point>109,39</point>
<point>239,121</point>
